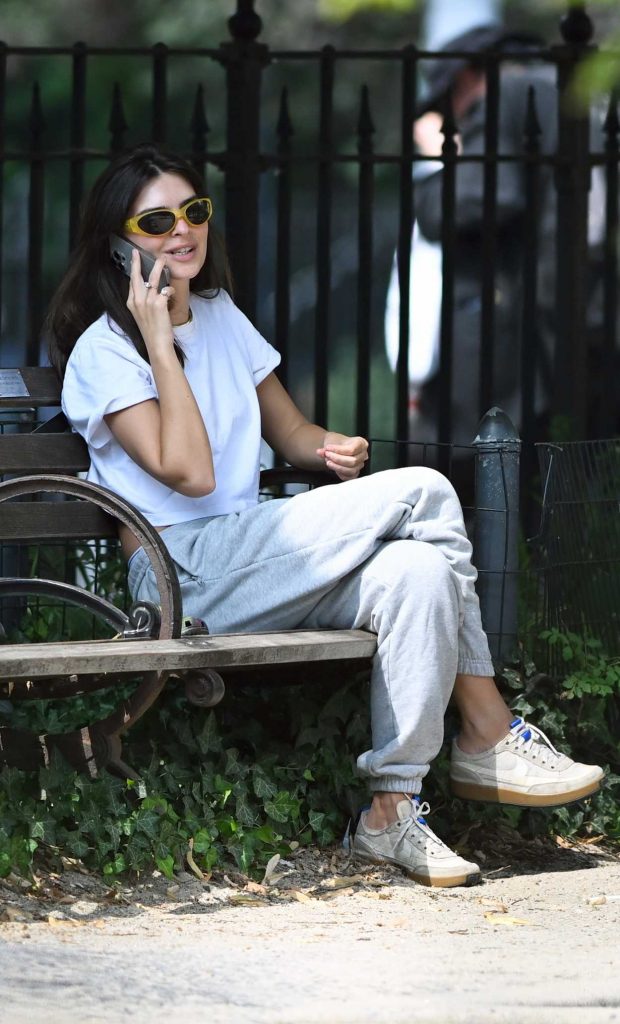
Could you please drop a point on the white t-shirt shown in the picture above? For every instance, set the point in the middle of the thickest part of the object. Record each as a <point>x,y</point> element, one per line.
<point>225,359</point>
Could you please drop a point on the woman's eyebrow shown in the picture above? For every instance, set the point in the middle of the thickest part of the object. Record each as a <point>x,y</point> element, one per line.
<point>151,209</point>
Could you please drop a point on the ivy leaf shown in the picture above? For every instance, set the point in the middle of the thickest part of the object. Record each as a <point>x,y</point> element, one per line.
<point>166,865</point>
<point>283,807</point>
<point>77,846</point>
<point>244,812</point>
<point>315,820</point>
<point>208,738</point>
<point>148,822</point>
<point>263,787</point>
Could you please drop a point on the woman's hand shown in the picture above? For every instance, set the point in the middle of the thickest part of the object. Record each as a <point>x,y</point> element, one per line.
<point>305,444</point>
<point>345,456</point>
<point>166,436</point>
<point>149,307</point>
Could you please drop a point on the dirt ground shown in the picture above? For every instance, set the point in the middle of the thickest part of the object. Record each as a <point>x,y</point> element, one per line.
<point>322,939</point>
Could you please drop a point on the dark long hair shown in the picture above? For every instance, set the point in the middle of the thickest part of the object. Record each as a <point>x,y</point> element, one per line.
<point>92,284</point>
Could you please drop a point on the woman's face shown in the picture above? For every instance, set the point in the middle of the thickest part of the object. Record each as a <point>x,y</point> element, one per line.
<point>185,247</point>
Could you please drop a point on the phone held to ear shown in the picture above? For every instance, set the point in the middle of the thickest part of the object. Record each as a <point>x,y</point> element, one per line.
<point>121,251</point>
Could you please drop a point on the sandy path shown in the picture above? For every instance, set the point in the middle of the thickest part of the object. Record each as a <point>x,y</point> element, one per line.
<point>392,953</point>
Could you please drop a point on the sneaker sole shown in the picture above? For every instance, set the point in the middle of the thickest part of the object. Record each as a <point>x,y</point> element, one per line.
<point>436,883</point>
<point>499,795</point>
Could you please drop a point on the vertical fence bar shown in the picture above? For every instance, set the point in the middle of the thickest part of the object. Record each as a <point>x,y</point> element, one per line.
<point>78,129</point>
<point>403,256</point>
<point>323,234</point>
<point>117,125</point>
<point>531,338</point>
<point>489,236</point>
<point>365,131</point>
<point>283,237</point>
<point>608,422</point>
<point>448,233</point>
<point>244,60</point>
<point>496,536</point>
<point>2,147</point>
<point>199,129</point>
<point>570,397</point>
<point>36,207</point>
<point>160,92</point>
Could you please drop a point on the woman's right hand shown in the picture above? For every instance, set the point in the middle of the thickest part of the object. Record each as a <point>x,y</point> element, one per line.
<point>149,307</point>
<point>166,436</point>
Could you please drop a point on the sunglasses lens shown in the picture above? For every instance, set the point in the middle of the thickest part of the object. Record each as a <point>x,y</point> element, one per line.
<point>156,223</point>
<point>198,211</point>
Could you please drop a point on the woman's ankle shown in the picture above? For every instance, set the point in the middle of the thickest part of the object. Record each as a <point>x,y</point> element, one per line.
<point>485,717</point>
<point>382,811</point>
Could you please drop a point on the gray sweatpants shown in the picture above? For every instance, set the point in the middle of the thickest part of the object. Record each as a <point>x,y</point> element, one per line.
<point>388,553</point>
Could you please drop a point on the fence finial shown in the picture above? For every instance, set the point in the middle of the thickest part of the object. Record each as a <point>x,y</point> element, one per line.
<point>245,24</point>
<point>576,25</point>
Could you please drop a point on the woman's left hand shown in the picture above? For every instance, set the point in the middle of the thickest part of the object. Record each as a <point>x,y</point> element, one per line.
<point>345,456</point>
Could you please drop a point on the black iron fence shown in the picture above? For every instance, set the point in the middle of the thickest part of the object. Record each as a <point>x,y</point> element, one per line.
<point>314,203</point>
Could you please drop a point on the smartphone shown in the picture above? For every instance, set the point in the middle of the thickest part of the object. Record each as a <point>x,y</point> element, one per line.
<point>120,253</point>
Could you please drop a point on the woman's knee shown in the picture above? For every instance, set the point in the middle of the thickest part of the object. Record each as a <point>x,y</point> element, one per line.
<point>430,480</point>
<point>412,565</point>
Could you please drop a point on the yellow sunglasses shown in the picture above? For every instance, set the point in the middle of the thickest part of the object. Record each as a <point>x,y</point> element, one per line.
<point>161,221</point>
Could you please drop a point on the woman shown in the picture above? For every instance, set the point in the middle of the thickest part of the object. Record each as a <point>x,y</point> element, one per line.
<point>171,390</point>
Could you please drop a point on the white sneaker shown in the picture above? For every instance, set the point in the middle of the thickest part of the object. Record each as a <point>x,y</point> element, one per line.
<point>411,844</point>
<point>523,769</point>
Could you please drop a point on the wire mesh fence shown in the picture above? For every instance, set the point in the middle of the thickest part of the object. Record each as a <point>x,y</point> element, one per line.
<point>576,556</point>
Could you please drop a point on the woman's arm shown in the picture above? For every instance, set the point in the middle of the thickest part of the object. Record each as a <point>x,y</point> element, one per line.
<point>302,443</point>
<point>167,438</point>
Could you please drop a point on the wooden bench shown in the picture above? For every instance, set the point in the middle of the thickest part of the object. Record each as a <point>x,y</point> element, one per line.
<point>42,501</point>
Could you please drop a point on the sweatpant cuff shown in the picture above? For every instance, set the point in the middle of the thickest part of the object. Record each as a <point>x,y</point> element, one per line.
<point>395,784</point>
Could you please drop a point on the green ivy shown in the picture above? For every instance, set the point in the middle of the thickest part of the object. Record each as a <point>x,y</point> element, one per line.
<point>275,765</point>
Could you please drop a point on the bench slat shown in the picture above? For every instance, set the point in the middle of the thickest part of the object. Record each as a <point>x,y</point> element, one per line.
<point>29,387</point>
<point>42,453</point>
<point>231,650</point>
<point>29,521</point>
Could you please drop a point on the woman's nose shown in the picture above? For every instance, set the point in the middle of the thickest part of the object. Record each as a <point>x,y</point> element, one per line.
<point>181,227</point>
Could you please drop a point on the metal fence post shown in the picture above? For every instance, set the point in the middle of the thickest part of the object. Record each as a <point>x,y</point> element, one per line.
<point>496,535</point>
<point>244,60</point>
<point>570,399</point>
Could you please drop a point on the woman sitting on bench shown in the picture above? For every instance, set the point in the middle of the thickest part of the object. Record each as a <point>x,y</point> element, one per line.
<point>172,387</point>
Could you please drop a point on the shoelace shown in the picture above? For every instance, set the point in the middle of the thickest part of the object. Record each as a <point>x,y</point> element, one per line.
<point>418,810</point>
<point>526,735</point>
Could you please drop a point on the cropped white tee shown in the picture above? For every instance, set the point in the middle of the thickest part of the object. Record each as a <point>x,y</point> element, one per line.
<point>225,359</point>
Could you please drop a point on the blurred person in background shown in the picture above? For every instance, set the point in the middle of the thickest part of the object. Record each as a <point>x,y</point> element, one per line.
<point>461,83</point>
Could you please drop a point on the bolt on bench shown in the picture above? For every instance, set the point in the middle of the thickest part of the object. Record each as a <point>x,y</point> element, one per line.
<point>43,501</point>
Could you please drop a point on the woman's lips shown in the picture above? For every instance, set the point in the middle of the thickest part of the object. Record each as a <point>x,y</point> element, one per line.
<point>183,254</point>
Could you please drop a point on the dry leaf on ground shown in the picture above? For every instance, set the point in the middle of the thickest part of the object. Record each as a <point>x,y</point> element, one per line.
<point>503,919</point>
<point>191,863</point>
<point>10,914</point>
<point>247,899</point>
<point>342,881</point>
<point>270,877</point>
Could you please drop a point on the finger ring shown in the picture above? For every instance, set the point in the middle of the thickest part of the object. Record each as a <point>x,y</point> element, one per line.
<point>165,291</point>
<point>147,284</point>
